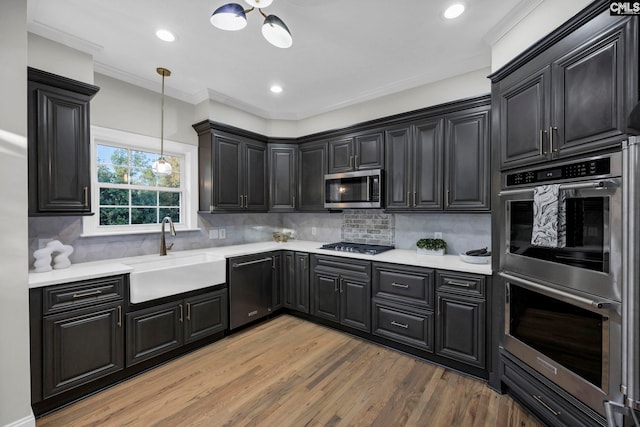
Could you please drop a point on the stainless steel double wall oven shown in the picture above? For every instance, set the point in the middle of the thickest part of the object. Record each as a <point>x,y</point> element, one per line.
<point>563,304</point>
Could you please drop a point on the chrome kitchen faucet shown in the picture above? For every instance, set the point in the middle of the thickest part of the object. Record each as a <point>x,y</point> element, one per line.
<point>163,242</point>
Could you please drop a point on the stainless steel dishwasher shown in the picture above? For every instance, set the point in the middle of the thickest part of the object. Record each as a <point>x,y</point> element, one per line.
<point>250,288</point>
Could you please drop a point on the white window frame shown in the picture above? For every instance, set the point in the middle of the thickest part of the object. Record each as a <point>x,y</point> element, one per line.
<point>188,177</point>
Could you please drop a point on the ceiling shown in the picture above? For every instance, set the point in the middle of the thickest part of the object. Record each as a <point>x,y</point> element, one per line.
<point>344,51</point>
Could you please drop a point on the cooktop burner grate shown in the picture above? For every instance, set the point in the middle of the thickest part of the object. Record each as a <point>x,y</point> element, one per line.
<point>360,248</point>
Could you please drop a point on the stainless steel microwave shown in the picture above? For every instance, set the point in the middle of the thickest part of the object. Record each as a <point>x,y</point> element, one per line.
<point>359,189</point>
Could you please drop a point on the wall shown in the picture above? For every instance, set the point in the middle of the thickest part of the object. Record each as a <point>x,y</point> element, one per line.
<point>545,18</point>
<point>57,58</point>
<point>15,398</point>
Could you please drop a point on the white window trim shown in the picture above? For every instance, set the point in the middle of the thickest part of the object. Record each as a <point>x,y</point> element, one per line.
<point>189,176</point>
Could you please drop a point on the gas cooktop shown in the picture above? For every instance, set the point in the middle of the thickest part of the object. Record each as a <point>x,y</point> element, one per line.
<point>359,248</point>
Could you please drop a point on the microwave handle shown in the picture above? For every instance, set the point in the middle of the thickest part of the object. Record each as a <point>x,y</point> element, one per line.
<point>368,188</point>
<point>596,184</point>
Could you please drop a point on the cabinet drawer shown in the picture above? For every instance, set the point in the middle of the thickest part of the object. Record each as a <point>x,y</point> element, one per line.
<point>82,294</point>
<point>342,264</point>
<point>413,286</point>
<point>460,283</point>
<point>403,324</point>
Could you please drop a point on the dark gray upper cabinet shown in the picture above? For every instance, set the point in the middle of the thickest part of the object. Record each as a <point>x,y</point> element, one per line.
<point>59,141</point>
<point>467,161</point>
<point>359,151</point>
<point>440,162</point>
<point>232,169</point>
<point>312,161</point>
<point>283,160</point>
<point>571,96</point>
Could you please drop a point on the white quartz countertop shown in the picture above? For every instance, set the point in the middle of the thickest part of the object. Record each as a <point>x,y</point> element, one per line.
<point>91,270</point>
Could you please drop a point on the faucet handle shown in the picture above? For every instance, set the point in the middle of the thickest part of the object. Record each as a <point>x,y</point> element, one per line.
<point>169,246</point>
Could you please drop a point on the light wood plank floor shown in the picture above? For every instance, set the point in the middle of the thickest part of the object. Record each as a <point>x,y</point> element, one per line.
<point>289,372</point>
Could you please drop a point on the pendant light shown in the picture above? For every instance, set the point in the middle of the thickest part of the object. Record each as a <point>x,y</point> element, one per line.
<point>161,167</point>
<point>233,17</point>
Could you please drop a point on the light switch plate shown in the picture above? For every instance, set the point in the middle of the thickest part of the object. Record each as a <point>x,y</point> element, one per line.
<point>437,235</point>
<point>222,233</point>
<point>213,234</point>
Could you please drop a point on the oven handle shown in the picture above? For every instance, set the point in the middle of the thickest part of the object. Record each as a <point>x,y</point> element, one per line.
<point>587,303</point>
<point>579,186</point>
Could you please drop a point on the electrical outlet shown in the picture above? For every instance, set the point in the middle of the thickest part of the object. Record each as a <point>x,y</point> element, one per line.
<point>43,243</point>
<point>213,234</point>
<point>437,235</point>
<point>222,233</point>
<point>314,231</point>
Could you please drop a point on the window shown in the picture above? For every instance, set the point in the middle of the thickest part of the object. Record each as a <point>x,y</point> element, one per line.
<point>126,196</point>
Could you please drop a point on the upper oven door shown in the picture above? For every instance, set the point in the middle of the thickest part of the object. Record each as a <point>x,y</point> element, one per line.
<point>590,260</point>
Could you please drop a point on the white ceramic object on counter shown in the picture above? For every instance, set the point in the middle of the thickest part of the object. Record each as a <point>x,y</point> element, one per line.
<point>436,252</point>
<point>43,256</point>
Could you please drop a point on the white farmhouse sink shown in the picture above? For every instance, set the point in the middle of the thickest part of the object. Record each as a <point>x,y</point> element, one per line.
<point>173,274</point>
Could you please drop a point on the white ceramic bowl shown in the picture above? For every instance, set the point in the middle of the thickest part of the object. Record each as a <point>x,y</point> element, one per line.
<point>475,259</point>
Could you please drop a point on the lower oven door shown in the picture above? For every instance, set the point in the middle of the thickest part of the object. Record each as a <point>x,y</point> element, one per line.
<point>569,338</point>
<point>590,261</point>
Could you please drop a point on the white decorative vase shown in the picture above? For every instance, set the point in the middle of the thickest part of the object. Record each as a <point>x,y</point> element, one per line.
<point>436,252</point>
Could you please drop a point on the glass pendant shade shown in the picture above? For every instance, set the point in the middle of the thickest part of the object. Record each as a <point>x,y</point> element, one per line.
<point>259,3</point>
<point>230,17</point>
<point>276,32</point>
<point>161,167</point>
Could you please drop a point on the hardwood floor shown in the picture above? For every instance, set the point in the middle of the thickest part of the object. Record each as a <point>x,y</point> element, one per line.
<point>289,372</point>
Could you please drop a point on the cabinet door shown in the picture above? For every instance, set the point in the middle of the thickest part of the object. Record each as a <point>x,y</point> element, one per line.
<point>255,172</point>
<point>589,94</point>
<point>355,303</point>
<point>467,161</point>
<point>205,315</point>
<point>341,155</point>
<point>398,173</point>
<point>228,185</point>
<point>326,295</point>
<point>524,105</point>
<point>81,346</point>
<point>288,279</point>
<point>302,282</point>
<point>369,151</point>
<point>154,331</point>
<point>61,178</point>
<point>460,329</point>
<point>282,184</point>
<point>313,167</point>
<point>427,158</point>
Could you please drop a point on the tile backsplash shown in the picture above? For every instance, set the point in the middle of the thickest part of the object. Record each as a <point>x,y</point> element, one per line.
<point>368,226</point>
<point>461,232</point>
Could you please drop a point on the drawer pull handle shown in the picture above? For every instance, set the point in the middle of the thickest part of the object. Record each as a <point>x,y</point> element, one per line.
<point>461,284</point>
<point>400,325</point>
<point>181,314</point>
<point>120,316</point>
<point>399,285</point>
<point>88,294</point>
<point>189,311</point>
<point>242,264</point>
<point>539,399</point>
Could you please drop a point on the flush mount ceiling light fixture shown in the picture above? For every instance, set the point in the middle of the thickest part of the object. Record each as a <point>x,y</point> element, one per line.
<point>161,167</point>
<point>232,17</point>
<point>454,11</point>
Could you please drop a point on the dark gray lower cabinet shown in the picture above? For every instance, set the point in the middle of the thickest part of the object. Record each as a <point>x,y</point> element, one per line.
<point>403,304</point>
<point>157,330</point>
<point>80,346</point>
<point>341,291</point>
<point>295,280</point>
<point>461,317</point>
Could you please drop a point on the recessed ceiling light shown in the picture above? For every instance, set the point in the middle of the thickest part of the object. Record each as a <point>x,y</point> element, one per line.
<point>165,35</point>
<point>276,89</point>
<point>454,11</point>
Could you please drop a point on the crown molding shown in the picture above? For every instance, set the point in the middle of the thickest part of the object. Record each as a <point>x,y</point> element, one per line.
<point>62,37</point>
<point>511,19</point>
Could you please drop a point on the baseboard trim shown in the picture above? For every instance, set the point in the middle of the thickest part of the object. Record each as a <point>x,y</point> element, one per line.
<point>28,421</point>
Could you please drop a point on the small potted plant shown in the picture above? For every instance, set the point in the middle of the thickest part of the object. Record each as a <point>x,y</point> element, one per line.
<point>431,246</point>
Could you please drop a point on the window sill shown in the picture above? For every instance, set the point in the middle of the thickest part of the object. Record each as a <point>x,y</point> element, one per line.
<point>124,232</point>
